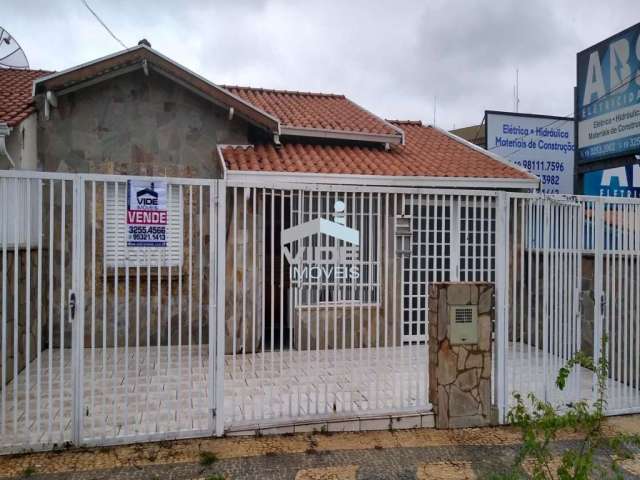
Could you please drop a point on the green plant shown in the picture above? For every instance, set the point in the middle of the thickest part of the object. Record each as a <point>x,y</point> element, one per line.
<point>217,476</point>
<point>208,458</point>
<point>29,471</point>
<point>540,422</point>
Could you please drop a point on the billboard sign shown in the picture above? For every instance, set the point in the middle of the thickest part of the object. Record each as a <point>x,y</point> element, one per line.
<point>542,145</point>
<point>608,97</point>
<point>147,215</point>
<point>613,182</point>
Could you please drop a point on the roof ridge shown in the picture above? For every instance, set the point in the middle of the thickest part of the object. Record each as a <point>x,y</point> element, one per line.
<point>286,92</point>
<point>405,122</point>
<point>34,70</point>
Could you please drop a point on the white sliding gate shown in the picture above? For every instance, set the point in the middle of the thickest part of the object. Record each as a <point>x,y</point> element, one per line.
<point>571,275</point>
<point>148,343</point>
<point>326,306</point>
<point>278,304</point>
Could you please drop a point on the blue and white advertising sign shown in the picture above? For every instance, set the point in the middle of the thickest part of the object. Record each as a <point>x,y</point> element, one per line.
<point>613,182</point>
<point>542,145</point>
<point>608,97</point>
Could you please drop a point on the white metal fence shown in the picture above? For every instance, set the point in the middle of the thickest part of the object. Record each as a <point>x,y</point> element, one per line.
<point>571,276</point>
<point>281,304</point>
<point>102,342</point>
<point>148,325</point>
<point>36,238</point>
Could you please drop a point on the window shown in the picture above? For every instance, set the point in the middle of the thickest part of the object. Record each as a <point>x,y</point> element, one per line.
<point>348,274</point>
<point>117,253</point>
<point>20,221</point>
<point>477,224</point>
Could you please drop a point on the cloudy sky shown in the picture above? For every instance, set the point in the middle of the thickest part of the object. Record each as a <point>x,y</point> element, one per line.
<point>392,57</point>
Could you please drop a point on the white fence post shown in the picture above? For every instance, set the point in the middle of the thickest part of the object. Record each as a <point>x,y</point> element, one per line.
<point>221,245</point>
<point>598,287</point>
<point>77,320</point>
<point>502,301</point>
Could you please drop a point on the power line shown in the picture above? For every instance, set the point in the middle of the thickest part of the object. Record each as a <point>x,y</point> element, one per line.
<point>103,24</point>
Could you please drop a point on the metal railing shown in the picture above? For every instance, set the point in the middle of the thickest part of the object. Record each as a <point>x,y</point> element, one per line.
<point>275,304</point>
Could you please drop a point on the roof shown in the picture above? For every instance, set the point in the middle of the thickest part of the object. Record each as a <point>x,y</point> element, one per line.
<point>144,57</point>
<point>281,112</point>
<point>302,119</point>
<point>16,102</point>
<point>299,111</point>
<point>428,152</point>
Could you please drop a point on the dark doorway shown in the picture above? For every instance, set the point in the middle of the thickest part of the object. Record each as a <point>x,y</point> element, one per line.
<point>277,282</point>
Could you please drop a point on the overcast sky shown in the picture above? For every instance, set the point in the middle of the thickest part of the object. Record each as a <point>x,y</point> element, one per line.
<point>391,57</point>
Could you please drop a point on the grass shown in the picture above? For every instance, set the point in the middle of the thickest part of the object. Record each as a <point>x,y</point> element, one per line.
<point>217,476</point>
<point>208,458</point>
<point>27,472</point>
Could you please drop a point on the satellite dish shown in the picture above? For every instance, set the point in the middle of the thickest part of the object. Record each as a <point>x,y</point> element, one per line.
<point>11,53</point>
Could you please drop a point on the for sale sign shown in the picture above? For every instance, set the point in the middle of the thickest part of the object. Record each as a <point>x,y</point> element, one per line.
<point>147,215</point>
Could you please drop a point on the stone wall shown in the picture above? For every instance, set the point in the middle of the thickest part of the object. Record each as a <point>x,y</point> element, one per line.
<point>23,329</point>
<point>164,306</point>
<point>136,125</point>
<point>244,313</point>
<point>460,374</point>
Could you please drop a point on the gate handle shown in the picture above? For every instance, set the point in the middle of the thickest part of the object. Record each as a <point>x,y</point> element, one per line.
<point>72,306</point>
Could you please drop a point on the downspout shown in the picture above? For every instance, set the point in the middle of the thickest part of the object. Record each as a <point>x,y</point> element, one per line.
<point>5,130</point>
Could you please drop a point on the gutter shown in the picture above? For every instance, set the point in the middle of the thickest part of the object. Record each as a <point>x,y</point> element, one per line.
<point>381,180</point>
<point>388,124</point>
<point>5,130</point>
<point>341,135</point>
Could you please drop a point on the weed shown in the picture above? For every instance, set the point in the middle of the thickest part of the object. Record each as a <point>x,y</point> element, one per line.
<point>27,472</point>
<point>540,423</point>
<point>216,476</point>
<point>208,458</point>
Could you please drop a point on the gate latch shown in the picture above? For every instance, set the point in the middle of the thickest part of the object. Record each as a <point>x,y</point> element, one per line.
<point>72,305</point>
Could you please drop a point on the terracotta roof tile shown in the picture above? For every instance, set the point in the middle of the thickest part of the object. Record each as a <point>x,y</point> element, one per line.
<point>16,102</point>
<point>428,152</point>
<point>314,110</point>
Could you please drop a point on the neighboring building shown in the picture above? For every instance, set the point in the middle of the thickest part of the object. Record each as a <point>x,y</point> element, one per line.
<point>474,134</point>
<point>18,119</point>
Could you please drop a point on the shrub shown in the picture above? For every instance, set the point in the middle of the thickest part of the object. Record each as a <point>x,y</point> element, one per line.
<point>540,423</point>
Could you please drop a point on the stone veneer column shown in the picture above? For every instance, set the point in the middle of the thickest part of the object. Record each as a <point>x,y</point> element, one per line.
<point>460,375</point>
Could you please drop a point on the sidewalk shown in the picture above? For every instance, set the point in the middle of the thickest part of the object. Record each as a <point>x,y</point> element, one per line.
<point>424,454</point>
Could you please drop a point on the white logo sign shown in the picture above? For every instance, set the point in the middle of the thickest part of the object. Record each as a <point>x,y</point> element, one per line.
<point>339,262</point>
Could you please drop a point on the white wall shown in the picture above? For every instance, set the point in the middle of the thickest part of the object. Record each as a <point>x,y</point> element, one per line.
<point>22,144</point>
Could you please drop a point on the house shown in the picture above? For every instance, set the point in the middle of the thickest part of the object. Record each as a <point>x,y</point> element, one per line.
<point>18,122</point>
<point>138,112</point>
<point>296,236</point>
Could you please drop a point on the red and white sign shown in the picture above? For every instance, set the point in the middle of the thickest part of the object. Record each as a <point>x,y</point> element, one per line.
<point>147,215</point>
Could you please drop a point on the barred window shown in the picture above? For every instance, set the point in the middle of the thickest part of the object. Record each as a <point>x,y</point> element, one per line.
<point>331,270</point>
